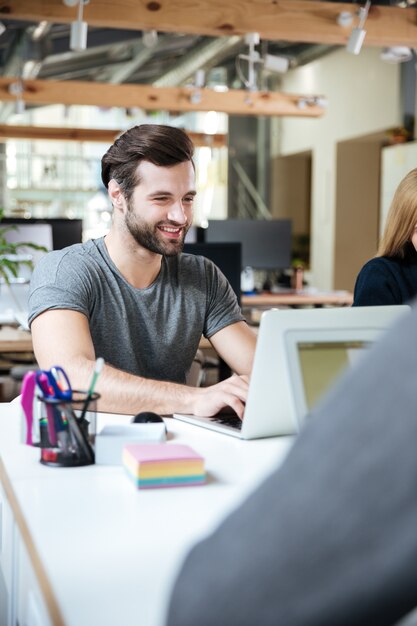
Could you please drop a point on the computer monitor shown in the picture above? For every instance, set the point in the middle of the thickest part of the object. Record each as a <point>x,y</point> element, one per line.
<point>195,234</point>
<point>266,244</point>
<point>65,232</point>
<point>227,256</point>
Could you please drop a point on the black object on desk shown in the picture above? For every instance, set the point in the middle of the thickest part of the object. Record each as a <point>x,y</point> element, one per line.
<point>146,417</point>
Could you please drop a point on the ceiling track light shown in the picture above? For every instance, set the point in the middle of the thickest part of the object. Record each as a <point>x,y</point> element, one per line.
<point>397,54</point>
<point>252,58</point>
<point>149,38</point>
<point>198,84</point>
<point>79,28</point>
<point>309,101</point>
<point>277,64</point>
<point>344,19</point>
<point>16,89</point>
<point>357,36</point>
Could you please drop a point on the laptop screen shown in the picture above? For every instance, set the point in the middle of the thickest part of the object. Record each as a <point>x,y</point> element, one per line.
<point>317,357</point>
<point>322,363</point>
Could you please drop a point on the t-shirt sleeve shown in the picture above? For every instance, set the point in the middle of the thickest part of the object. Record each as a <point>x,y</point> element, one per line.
<point>56,284</point>
<point>376,285</point>
<point>223,308</point>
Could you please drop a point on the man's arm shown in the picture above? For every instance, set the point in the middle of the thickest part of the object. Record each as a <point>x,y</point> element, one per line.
<point>62,337</point>
<point>235,344</point>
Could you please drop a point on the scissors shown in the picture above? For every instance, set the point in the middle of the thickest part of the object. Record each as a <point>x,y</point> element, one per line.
<point>54,383</point>
<point>59,382</point>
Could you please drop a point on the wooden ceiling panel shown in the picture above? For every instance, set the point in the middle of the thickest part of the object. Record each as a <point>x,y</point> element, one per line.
<point>234,101</point>
<point>307,21</point>
<point>102,135</point>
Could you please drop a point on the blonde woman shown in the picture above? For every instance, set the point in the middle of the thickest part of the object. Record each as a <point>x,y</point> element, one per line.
<point>391,276</point>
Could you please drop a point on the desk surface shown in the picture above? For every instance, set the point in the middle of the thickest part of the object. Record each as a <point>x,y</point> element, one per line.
<point>109,553</point>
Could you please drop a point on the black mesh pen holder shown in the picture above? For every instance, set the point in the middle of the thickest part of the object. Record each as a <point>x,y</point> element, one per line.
<point>68,429</point>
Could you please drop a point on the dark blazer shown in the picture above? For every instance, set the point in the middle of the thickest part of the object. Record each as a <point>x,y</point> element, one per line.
<point>330,538</point>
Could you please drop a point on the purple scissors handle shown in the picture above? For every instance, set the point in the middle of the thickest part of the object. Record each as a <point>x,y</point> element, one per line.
<point>28,393</point>
<point>60,383</point>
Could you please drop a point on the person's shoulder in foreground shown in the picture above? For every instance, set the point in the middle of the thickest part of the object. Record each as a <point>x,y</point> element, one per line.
<point>330,537</point>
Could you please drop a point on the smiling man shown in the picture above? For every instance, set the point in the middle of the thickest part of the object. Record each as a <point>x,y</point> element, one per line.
<point>134,298</point>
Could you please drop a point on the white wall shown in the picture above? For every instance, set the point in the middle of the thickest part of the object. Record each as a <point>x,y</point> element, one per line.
<point>363,96</point>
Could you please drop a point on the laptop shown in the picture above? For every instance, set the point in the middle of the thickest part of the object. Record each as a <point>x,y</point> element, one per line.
<point>300,354</point>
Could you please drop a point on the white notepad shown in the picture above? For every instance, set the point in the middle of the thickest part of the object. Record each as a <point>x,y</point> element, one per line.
<point>111,439</point>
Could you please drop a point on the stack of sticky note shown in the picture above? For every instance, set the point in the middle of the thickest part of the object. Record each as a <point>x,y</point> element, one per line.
<point>163,465</point>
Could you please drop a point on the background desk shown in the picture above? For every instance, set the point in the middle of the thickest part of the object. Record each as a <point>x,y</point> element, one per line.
<point>14,340</point>
<point>254,306</point>
<point>83,547</point>
<point>16,356</point>
<point>271,300</point>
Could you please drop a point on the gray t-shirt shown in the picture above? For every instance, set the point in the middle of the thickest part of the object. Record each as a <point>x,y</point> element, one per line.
<point>152,332</point>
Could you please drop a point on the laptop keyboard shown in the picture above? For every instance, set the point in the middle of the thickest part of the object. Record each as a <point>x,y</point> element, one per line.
<point>229,420</point>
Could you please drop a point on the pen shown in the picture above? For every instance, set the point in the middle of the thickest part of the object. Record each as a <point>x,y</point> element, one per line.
<point>78,435</point>
<point>97,369</point>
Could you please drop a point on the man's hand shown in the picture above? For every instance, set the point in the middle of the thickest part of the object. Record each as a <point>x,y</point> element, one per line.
<point>230,392</point>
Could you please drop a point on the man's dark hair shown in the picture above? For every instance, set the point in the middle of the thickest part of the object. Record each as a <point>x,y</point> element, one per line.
<point>159,144</point>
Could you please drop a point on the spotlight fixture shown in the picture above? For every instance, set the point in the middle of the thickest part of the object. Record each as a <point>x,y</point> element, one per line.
<point>16,89</point>
<point>396,54</point>
<point>253,58</point>
<point>357,36</point>
<point>344,19</point>
<point>276,64</point>
<point>320,101</point>
<point>149,38</point>
<point>199,82</point>
<point>79,28</point>
<point>200,78</point>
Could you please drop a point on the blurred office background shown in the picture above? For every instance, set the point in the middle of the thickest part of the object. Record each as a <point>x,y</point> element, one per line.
<point>332,176</point>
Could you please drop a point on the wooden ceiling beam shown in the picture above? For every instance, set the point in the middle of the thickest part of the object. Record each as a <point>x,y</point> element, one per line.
<point>237,102</point>
<point>308,21</point>
<point>103,135</point>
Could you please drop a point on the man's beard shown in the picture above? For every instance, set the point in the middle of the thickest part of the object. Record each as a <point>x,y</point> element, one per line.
<point>146,235</point>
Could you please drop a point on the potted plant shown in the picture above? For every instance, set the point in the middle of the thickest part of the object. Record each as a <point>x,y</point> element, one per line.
<point>13,256</point>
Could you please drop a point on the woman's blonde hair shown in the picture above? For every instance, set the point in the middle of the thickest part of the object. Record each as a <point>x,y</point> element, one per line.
<point>401,218</point>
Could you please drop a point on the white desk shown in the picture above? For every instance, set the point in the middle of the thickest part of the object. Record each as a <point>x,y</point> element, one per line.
<point>82,546</point>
